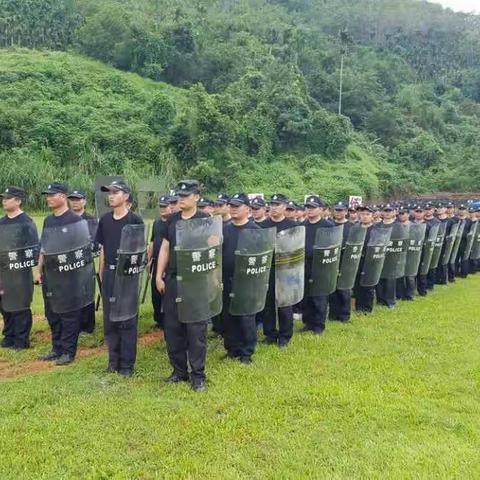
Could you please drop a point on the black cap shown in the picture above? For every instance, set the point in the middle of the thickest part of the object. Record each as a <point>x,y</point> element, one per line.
<point>462,206</point>
<point>187,187</point>
<point>77,195</point>
<point>164,201</point>
<point>340,206</point>
<point>205,202</point>
<point>116,185</point>
<point>450,205</point>
<point>279,198</point>
<point>258,202</point>
<point>291,205</point>
<point>388,207</point>
<point>222,199</point>
<point>301,207</point>
<point>418,207</point>
<point>428,206</point>
<point>239,199</point>
<point>172,199</point>
<point>404,209</point>
<point>55,187</point>
<point>314,201</point>
<point>441,205</point>
<point>14,192</point>
<point>367,208</point>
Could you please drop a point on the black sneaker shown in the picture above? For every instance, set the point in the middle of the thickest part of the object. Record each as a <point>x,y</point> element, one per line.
<point>270,341</point>
<point>246,360</point>
<point>198,384</point>
<point>49,356</point>
<point>175,378</point>
<point>283,344</point>
<point>5,344</point>
<point>126,372</point>
<point>64,359</point>
<point>111,369</point>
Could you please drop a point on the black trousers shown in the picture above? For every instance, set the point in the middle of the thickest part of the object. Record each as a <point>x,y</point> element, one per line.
<point>422,285</point>
<point>16,328</point>
<point>284,332</point>
<point>87,322</point>
<point>340,302</point>
<point>405,288</point>
<point>315,312</point>
<point>451,272</point>
<point>431,278</point>
<point>120,337</point>
<point>186,342</point>
<point>463,268</point>
<point>65,328</point>
<point>442,275</point>
<point>157,300</point>
<point>386,291</point>
<point>364,298</point>
<point>240,334</point>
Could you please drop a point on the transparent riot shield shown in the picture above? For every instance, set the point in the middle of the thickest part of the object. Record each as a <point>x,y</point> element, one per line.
<point>351,256</point>
<point>326,261</point>
<point>101,198</point>
<point>199,269</point>
<point>428,248</point>
<point>374,256</point>
<point>470,240</point>
<point>289,266</point>
<point>448,244</point>
<point>475,253</point>
<point>69,275</point>
<point>19,249</point>
<point>437,249</point>
<point>131,261</point>
<point>253,260</point>
<point>149,192</point>
<point>416,240</point>
<point>457,242</point>
<point>396,253</point>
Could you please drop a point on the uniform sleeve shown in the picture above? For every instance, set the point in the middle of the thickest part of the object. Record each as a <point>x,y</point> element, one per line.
<point>99,237</point>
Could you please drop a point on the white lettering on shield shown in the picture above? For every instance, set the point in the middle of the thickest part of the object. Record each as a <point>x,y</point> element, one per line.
<point>68,267</point>
<point>21,265</point>
<point>204,267</point>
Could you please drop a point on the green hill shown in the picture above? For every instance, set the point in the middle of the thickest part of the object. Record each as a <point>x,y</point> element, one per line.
<point>253,96</point>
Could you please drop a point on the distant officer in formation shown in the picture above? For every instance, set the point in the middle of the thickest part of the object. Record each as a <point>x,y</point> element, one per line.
<point>227,261</point>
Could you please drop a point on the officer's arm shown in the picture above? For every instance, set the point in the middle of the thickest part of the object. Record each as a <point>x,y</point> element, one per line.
<point>163,256</point>
<point>101,263</point>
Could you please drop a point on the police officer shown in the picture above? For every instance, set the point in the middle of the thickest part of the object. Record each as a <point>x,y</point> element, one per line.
<point>442,216</point>
<point>405,286</point>
<point>314,307</point>
<point>430,220</point>
<point>364,296</point>
<point>158,233</point>
<point>65,327</point>
<point>460,267</point>
<point>185,341</point>
<point>474,216</point>
<point>419,217</point>
<point>240,331</point>
<point>291,211</point>
<point>206,205</point>
<point>340,301</point>
<point>78,202</point>
<point>173,202</point>
<point>353,215</point>
<point>259,210</point>
<point>17,325</point>
<point>120,337</point>
<point>221,207</point>
<point>283,334</point>
<point>301,214</point>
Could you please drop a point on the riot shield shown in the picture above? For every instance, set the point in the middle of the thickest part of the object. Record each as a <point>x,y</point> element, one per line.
<point>101,198</point>
<point>448,244</point>
<point>437,250</point>
<point>396,253</point>
<point>351,256</point>
<point>326,261</point>
<point>253,260</point>
<point>428,248</point>
<point>131,261</point>
<point>69,274</point>
<point>19,249</point>
<point>475,253</point>
<point>470,240</point>
<point>148,192</point>
<point>375,256</point>
<point>414,250</point>
<point>457,242</point>
<point>92,230</point>
<point>199,266</point>
<point>289,266</point>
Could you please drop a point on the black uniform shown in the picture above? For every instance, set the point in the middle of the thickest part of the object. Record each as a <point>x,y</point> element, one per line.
<point>121,337</point>
<point>16,325</point>
<point>340,301</point>
<point>432,273</point>
<point>65,327</point>
<point>186,342</point>
<point>240,331</point>
<point>364,296</point>
<point>314,307</point>
<point>451,266</point>
<point>441,277</point>
<point>158,234</point>
<point>284,333</point>
<point>405,287</point>
<point>461,266</point>
<point>386,288</point>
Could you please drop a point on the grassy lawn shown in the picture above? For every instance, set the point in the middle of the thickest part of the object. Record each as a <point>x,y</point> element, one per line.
<point>392,395</point>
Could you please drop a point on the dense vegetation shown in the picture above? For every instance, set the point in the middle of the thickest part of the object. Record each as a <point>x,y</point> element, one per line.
<point>242,94</point>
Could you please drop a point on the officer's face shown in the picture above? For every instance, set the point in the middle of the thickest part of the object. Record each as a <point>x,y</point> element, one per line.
<point>174,207</point>
<point>462,213</point>
<point>403,217</point>
<point>164,211</point>
<point>117,198</point>
<point>419,214</point>
<point>277,210</point>
<point>56,200</point>
<point>188,202</point>
<point>239,212</point>
<point>339,214</point>
<point>366,217</point>
<point>290,214</point>
<point>221,209</point>
<point>441,210</point>
<point>10,204</point>
<point>353,215</point>
<point>314,213</point>
<point>388,214</point>
<point>77,204</point>
<point>258,213</point>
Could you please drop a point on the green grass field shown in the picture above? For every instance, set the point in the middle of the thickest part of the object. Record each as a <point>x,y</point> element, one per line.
<point>392,395</point>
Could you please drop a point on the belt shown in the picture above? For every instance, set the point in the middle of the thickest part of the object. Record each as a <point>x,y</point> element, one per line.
<point>111,267</point>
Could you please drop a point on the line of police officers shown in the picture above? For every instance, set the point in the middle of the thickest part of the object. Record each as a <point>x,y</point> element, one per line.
<point>236,262</point>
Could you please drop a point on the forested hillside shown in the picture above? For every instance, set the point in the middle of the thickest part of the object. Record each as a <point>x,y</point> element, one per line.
<point>242,94</point>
